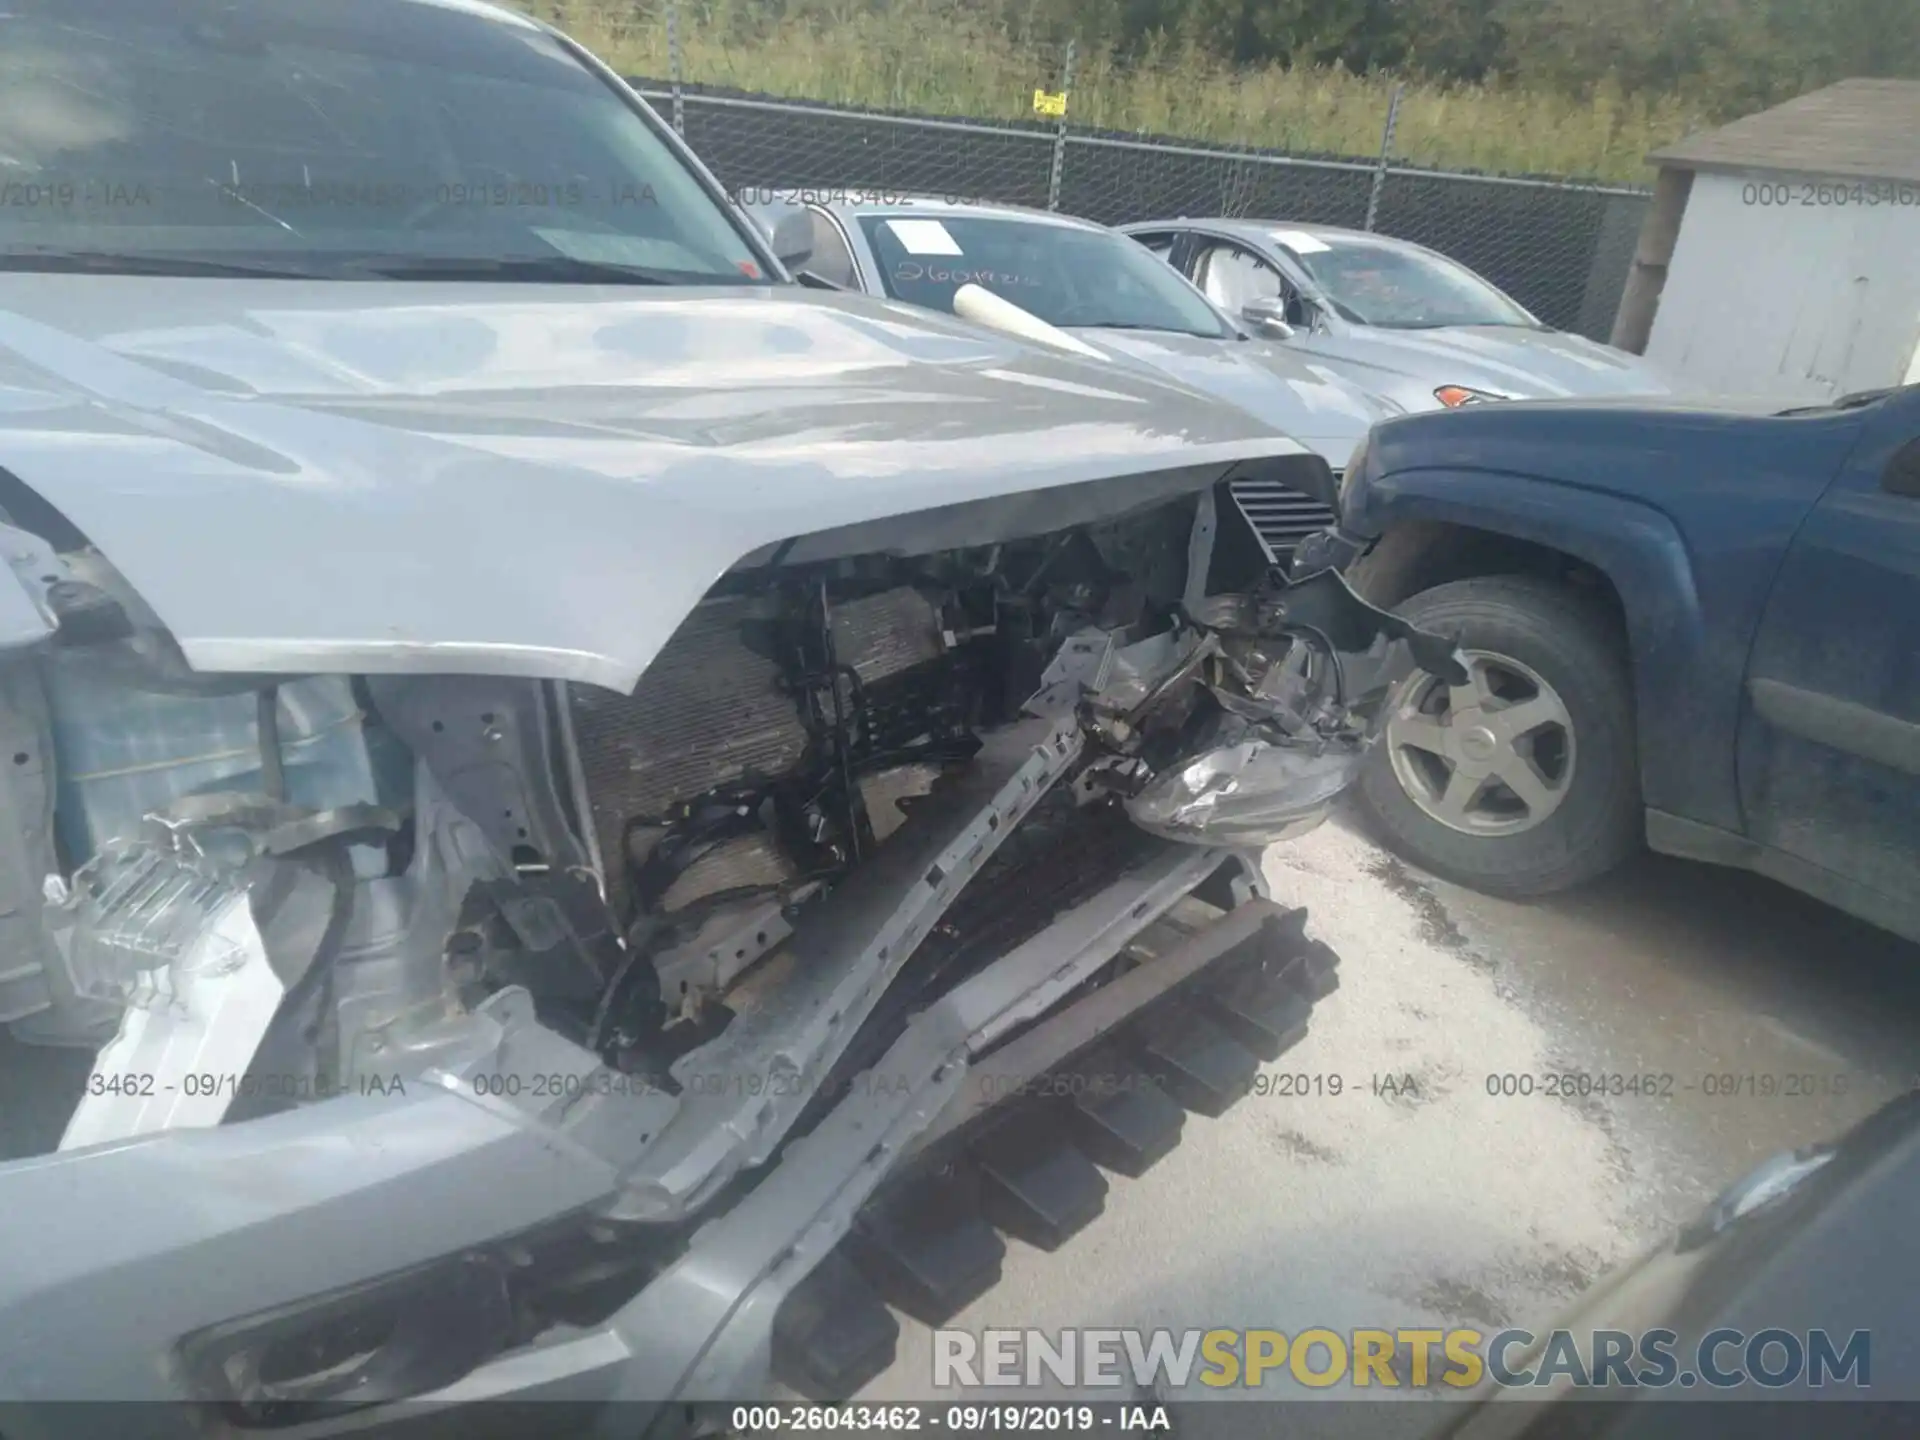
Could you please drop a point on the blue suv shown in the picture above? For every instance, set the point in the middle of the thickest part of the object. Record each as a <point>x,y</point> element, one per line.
<point>1685,621</point>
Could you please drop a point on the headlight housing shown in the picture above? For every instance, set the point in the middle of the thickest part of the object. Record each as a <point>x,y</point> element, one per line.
<point>372,1344</point>
<point>388,1340</point>
<point>1454,396</point>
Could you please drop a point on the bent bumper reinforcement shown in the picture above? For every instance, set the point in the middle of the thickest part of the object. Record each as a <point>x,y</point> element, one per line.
<point>790,1286</point>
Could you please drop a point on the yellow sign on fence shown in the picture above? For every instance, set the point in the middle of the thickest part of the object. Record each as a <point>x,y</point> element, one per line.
<point>1046,104</point>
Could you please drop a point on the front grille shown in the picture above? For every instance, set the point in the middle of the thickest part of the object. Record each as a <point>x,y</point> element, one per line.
<point>1281,515</point>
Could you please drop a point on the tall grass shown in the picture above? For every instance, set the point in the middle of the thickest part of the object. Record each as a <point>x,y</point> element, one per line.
<point>928,57</point>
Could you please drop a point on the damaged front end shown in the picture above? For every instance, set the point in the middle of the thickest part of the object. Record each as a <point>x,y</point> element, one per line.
<point>576,1033</point>
<point>1246,720</point>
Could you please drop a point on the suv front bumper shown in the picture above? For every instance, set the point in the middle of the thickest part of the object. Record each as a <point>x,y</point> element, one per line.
<point>139,1246</point>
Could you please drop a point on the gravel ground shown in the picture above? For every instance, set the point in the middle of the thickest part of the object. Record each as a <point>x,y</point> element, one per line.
<point>1435,1203</point>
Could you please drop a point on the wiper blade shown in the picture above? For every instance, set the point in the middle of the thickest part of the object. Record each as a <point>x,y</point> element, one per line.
<point>46,260</point>
<point>1129,325</point>
<point>558,269</point>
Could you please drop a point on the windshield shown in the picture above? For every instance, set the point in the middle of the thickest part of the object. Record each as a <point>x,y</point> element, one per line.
<point>342,138</point>
<point>1066,276</point>
<point>1371,283</point>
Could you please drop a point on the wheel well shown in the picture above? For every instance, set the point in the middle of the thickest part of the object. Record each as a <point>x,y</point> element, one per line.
<point>1421,554</point>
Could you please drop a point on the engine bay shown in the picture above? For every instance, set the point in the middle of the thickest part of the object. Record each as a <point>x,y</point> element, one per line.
<point>311,883</point>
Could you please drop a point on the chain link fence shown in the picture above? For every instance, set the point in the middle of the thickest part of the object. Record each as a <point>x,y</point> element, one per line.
<point>1562,248</point>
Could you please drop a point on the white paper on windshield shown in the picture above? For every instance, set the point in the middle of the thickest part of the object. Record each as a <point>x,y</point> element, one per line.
<point>924,237</point>
<point>1300,242</point>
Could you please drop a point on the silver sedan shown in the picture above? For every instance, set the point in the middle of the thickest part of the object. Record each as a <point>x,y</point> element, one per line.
<point>1104,292</point>
<point>1390,315</point>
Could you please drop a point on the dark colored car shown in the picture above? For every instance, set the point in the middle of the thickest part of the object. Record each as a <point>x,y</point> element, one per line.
<point>1794,1288</point>
<point>1695,622</point>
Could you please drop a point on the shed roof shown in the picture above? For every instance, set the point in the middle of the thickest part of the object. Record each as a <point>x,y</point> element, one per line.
<point>1862,129</point>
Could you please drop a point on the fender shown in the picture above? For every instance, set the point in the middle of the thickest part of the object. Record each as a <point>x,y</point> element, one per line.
<point>1687,686</point>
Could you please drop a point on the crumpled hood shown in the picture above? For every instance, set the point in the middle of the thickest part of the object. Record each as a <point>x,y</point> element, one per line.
<point>1503,359</point>
<point>532,480</point>
<point>1311,403</point>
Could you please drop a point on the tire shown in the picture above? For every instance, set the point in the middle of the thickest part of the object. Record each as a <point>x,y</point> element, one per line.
<point>1576,812</point>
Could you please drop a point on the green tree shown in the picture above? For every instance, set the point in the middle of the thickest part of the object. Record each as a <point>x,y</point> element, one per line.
<point>1728,56</point>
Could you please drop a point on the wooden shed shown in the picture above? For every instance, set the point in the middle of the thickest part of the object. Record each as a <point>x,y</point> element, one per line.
<point>1781,255</point>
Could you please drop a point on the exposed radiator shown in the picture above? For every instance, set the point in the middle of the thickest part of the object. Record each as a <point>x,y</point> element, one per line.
<point>708,712</point>
<point>1280,515</point>
<point>881,635</point>
<point>711,712</point>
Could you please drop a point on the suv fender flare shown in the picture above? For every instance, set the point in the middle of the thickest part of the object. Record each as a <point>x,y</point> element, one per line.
<point>1686,689</point>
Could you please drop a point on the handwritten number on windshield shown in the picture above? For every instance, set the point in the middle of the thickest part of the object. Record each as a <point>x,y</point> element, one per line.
<point>907,273</point>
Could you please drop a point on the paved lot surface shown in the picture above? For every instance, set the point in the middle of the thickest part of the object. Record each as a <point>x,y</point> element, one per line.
<point>1443,1204</point>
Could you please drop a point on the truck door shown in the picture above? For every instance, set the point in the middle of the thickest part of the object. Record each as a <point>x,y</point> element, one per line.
<point>1829,745</point>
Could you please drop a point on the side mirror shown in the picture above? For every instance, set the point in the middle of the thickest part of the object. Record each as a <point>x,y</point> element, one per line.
<point>1268,317</point>
<point>793,239</point>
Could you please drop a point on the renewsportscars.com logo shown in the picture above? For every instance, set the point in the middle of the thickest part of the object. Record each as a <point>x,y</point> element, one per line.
<point>1320,1358</point>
